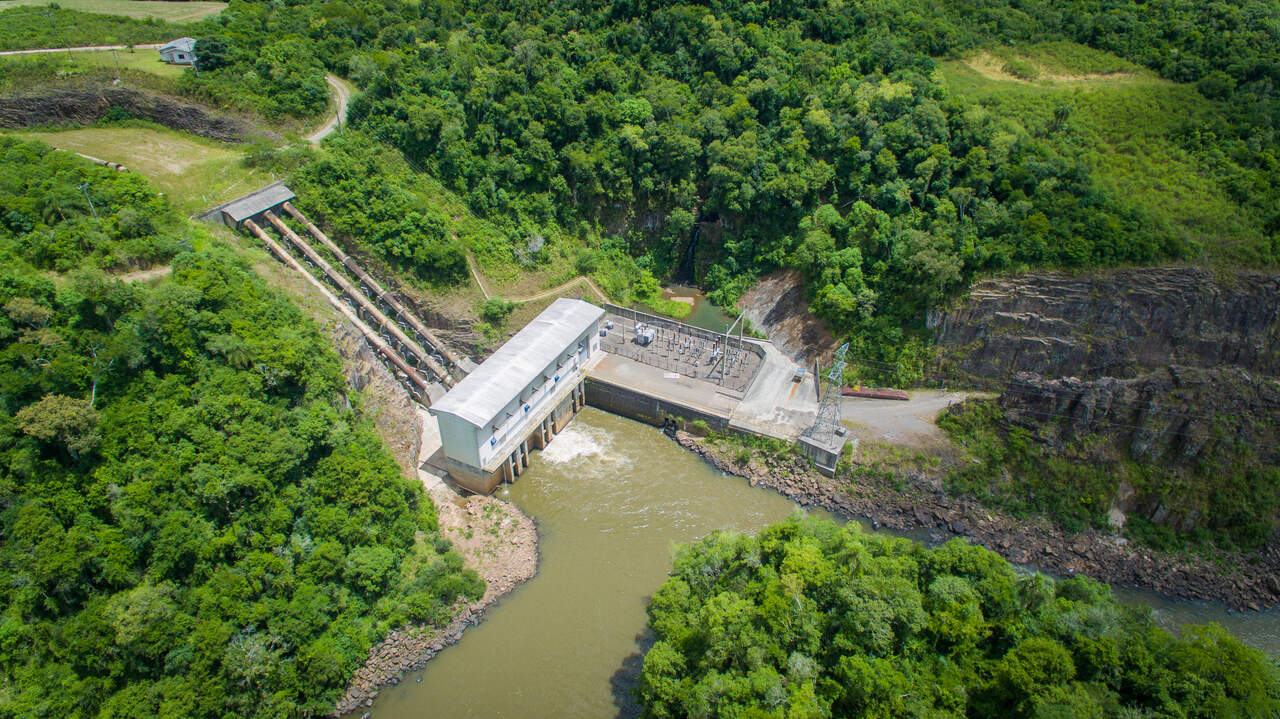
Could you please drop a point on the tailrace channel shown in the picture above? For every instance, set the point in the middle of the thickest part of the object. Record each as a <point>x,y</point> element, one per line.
<point>612,497</point>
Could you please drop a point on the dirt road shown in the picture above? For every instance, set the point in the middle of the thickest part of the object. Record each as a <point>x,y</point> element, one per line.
<point>86,48</point>
<point>341,94</point>
<point>475,275</point>
<point>908,423</point>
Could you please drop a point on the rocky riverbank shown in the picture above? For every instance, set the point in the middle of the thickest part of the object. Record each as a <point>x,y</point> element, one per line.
<point>403,651</point>
<point>494,538</point>
<point>1241,582</point>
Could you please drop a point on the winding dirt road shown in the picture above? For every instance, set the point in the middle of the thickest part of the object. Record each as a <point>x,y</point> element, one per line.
<point>341,94</point>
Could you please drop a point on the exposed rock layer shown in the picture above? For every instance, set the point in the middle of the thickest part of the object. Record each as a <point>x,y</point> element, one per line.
<point>1113,324</point>
<point>1177,415</point>
<point>83,106</point>
<point>776,305</point>
<point>1173,367</point>
<point>386,402</point>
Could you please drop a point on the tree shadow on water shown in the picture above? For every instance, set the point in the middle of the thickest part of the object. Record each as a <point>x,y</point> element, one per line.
<point>624,680</point>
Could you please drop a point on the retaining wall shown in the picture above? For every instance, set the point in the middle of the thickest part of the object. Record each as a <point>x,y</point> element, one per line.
<point>645,408</point>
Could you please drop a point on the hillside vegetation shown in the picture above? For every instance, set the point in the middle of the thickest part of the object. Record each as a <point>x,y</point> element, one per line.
<point>126,63</point>
<point>168,10</point>
<point>810,619</point>
<point>24,27</point>
<point>193,173</point>
<point>1149,139</point>
<point>723,140</point>
<point>196,521</point>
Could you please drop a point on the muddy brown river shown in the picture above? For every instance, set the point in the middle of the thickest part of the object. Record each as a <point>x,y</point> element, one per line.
<point>611,498</point>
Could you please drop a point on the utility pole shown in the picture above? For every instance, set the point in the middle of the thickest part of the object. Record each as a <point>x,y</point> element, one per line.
<point>58,36</point>
<point>84,187</point>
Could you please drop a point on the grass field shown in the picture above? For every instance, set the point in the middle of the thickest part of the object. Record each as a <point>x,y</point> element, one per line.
<point>1128,120</point>
<point>144,60</point>
<point>195,174</point>
<point>180,12</point>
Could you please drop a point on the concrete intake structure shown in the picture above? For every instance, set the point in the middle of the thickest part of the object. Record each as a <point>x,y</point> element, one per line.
<point>520,397</point>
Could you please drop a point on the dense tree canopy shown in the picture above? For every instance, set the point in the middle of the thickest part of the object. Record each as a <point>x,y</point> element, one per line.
<point>46,217</point>
<point>195,521</point>
<point>810,619</point>
<point>749,137</point>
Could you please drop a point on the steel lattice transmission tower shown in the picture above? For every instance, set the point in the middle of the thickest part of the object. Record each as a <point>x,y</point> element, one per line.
<point>828,421</point>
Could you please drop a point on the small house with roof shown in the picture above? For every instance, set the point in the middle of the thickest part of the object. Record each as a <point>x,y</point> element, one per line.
<point>179,52</point>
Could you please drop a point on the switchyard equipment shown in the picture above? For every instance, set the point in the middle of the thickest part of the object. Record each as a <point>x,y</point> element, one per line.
<point>721,358</point>
<point>644,335</point>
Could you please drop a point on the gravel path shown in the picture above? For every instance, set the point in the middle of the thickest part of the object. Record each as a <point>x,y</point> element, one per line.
<point>86,48</point>
<point>341,95</point>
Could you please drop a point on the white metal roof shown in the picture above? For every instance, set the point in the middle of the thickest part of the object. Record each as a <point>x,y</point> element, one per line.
<point>480,396</point>
<point>182,44</point>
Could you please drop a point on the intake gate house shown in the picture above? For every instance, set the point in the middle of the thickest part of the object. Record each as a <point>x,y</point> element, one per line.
<point>520,397</point>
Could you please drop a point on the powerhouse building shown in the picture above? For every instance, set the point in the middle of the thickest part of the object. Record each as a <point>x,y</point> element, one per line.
<point>520,397</point>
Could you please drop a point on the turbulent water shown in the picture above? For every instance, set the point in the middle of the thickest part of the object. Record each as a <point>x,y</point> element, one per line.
<point>611,498</point>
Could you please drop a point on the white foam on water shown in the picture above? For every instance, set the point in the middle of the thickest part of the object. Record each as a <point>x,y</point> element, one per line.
<point>581,442</point>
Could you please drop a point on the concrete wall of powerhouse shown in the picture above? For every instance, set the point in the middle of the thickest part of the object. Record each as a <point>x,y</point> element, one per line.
<point>645,408</point>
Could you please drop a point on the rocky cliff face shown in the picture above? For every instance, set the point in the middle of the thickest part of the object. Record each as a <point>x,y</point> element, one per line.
<point>1113,324</point>
<point>89,103</point>
<point>386,401</point>
<point>1213,434</point>
<point>1167,376</point>
<point>776,305</point>
<point>1175,414</point>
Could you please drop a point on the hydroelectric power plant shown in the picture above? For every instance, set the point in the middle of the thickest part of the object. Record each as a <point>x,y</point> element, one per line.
<point>574,354</point>
<point>520,397</point>
<point>610,497</point>
<point>629,363</point>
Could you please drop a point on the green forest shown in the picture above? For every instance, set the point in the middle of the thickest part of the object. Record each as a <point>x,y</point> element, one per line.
<point>717,142</point>
<point>720,141</point>
<point>197,518</point>
<point>810,619</point>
